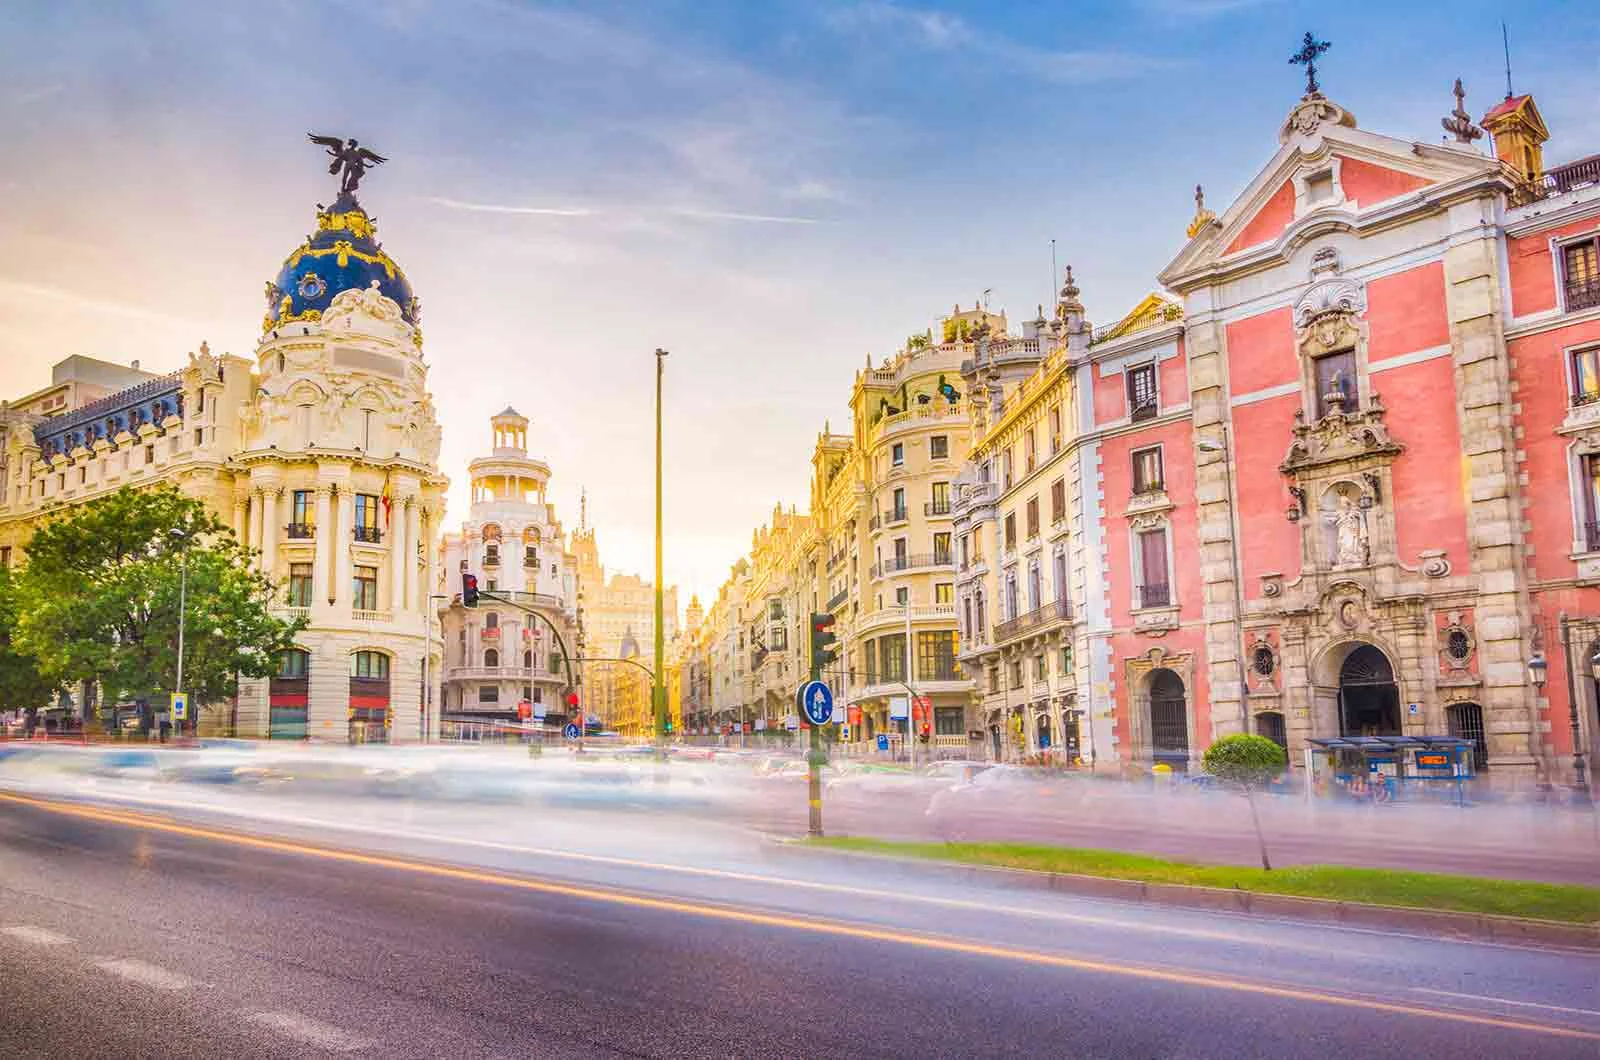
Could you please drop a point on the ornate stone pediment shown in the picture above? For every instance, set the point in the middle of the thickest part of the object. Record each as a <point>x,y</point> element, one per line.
<point>1337,299</point>
<point>1339,436</point>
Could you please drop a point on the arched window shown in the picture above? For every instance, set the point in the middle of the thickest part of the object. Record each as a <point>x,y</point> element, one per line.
<point>1270,724</point>
<point>294,663</point>
<point>491,657</point>
<point>1169,719</point>
<point>527,660</point>
<point>373,664</point>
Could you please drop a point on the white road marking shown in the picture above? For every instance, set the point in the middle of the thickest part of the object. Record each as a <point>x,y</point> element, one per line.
<point>36,935</point>
<point>1506,1001</point>
<point>308,1031</point>
<point>136,971</point>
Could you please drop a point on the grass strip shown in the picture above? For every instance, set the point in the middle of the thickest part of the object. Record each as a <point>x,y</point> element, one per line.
<point>1567,903</point>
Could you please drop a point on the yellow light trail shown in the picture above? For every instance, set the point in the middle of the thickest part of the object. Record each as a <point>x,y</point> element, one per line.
<point>796,923</point>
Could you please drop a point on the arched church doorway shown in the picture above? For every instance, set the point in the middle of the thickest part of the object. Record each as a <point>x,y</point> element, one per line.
<point>1169,719</point>
<point>1369,700</point>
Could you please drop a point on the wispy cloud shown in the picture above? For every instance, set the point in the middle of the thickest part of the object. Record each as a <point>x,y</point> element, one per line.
<point>1199,9</point>
<point>756,218</point>
<point>496,207</point>
<point>939,31</point>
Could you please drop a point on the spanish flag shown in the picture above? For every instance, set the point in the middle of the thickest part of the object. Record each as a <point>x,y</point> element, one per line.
<point>388,502</point>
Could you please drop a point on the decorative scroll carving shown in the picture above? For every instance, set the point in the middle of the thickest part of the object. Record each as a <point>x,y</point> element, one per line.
<point>1339,436</point>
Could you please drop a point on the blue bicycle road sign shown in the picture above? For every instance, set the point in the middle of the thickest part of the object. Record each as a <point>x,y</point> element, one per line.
<point>571,732</point>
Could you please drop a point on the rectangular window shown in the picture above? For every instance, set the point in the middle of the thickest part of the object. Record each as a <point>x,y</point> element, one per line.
<point>1336,382</point>
<point>1154,587</point>
<point>1041,669</point>
<point>944,592</point>
<point>994,679</point>
<point>897,454</point>
<point>1033,517</point>
<point>936,656</point>
<point>1586,375</point>
<point>1058,501</point>
<point>1030,451</point>
<point>1011,531</point>
<point>1591,502</point>
<point>1016,674</point>
<point>1147,470</point>
<point>949,721</point>
<point>1005,470</point>
<point>300,585</point>
<point>902,596</point>
<point>941,547</point>
<point>940,503</point>
<point>892,657</point>
<point>966,551</point>
<point>488,693</point>
<point>978,611</point>
<point>899,511</point>
<point>301,507</point>
<point>1055,429</point>
<point>1064,661</point>
<point>1142,392</point>
<point>939,447</point>
<point>1580,274</point>
<point>1060,576</point>
<point>366,589</point>
<point>366,522</point>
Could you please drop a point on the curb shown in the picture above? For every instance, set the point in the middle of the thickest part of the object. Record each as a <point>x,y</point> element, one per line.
<point>1483,927</point>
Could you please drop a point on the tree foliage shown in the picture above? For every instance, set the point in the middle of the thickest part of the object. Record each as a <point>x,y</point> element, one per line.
<point>101,590</point>
<point>1244,758</point>
<point>23,686</point>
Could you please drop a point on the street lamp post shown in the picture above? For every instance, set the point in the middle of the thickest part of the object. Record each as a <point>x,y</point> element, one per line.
<point>1536,669</point>
<point>658,688</point>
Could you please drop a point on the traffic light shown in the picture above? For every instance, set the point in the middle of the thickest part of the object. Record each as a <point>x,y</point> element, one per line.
<point>572,700</point>
<point>824,645</point>
<point>469,590</point>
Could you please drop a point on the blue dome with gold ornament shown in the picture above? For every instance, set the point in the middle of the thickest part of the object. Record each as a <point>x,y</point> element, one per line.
<point>342,255</point>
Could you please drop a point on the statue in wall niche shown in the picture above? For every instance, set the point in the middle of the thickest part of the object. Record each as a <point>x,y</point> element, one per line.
<point>1350,547</point>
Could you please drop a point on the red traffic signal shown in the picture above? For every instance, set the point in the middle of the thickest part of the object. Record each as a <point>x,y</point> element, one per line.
<point>572,699</point>
<point>469,590</point>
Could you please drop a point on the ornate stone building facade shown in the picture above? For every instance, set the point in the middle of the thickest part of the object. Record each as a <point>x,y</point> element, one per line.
<point>321,451</point>
<point>498,656</point>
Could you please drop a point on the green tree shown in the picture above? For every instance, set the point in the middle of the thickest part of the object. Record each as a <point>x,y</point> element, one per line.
<point>23,686</point>
<point>1248,761</point>
<point>101,591</point>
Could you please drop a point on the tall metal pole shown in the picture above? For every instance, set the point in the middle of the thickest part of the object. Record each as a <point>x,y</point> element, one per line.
<point>183,592</point>
<point>1580,779</point>
<point>911,701</point>
<point>658,688</point>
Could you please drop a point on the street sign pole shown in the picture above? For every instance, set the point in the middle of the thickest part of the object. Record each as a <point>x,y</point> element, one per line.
<point>816,707</point>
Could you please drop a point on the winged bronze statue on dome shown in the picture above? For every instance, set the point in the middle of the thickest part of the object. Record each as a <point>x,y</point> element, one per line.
<point>349,156</point>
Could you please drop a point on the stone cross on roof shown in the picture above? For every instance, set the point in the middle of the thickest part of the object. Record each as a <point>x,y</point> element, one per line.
<point>1310,48</point>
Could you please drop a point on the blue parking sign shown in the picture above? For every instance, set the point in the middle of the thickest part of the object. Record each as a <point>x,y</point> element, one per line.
<point>816,701</point>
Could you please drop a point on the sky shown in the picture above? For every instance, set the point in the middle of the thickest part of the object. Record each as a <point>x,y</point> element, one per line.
<point>771,191</point>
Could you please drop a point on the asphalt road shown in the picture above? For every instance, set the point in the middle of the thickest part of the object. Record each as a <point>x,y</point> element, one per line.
<point>133,935</point>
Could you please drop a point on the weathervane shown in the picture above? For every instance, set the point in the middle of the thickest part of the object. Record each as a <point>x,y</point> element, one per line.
<point>349,156</point>
<point>1310,48</point>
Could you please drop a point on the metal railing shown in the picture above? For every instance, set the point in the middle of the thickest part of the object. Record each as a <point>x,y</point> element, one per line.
<point>1559,181</point>
<point>301,530</point>
<point>894,515</point>
<point>1144,410</point>
<point>838,598</point>
<point>1591,536</point>
<point>361,614</point>
<point>915,561</point>
<point>1155,594</point>
<point>937,507</point>
<point>1582,295</point>
<point>370,534</point>
<point>1012,627</point>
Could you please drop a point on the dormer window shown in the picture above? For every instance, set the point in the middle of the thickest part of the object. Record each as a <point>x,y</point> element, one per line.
<point>1319,187</point>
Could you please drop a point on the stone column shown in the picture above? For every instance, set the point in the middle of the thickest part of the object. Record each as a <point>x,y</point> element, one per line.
<point>416,593</point>
<point>241,517</point>
<point>340,542</point>
<point>398,539</point>
<point>269,531</point>
<point>324,534</point>
<point>253,540</point>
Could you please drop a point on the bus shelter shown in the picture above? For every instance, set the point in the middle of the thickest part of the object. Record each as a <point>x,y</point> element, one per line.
<point>1386,768</point>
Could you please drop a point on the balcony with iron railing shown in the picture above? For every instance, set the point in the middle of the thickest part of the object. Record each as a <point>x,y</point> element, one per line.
<point>1582,295</point>
<point>939,507</point>
<point>1155,594</point>
<point>301,531</point>
<point>369,534</point>
<point>894,515</point>
<point>838,598</point>
<point>1038,618</point>
<point>1144,410</point>
<point>912,561</point>
<point>836,558</point>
